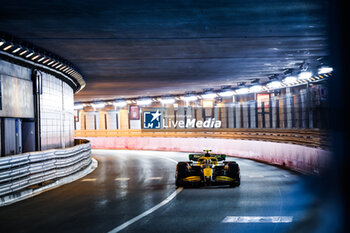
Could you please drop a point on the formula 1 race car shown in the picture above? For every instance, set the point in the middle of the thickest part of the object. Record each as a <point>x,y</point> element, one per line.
<point>207,169</point>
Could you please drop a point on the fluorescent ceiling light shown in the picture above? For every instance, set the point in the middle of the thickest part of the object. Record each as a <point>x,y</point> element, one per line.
<point>98,105</point>
<point>167,101</point>
<point>46,61</point>
<point>325,70</point>
<point>78,107</point>
<point>30,54</point>
<point>226,93</point>
<point>304,75</point>
<point>42,58</point>
<point>8,47</point>
<point>189,98</point>
<point>290,80</point>
<point>274,85</point>
<point>23,52</point>
<point>120,103</point>
<point>256,88</point>
<point>56,63</point>
<point>35,57</point>
<point>209,96</point>
<point>62,67</point>
<point>16,50</point>
<point>144,101</point>
<point>242,91</point>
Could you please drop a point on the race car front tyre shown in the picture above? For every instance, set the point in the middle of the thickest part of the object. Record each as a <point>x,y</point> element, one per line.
<point>181,173</point>
<point>234,172</point>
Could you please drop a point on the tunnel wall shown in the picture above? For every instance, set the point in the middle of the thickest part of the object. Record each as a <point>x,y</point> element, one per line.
<point>16,91</point>
<point>56,113</point>
<point>296,157</point>
<point>56,106</point>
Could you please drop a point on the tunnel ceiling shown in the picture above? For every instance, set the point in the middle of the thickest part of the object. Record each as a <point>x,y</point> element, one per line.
<point>140,48</point>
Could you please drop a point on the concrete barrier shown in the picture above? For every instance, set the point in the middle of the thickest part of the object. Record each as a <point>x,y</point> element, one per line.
<point>296,157</point>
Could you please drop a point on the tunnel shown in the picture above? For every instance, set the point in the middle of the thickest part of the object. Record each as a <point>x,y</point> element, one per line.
<point>173,116</point>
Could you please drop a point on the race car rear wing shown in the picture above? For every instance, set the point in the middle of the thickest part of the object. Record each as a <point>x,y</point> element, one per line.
<point>195,157</point>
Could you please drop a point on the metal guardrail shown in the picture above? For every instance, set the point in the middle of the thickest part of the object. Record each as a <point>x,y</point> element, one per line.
<point>19,172</point>
<point>306,137</point>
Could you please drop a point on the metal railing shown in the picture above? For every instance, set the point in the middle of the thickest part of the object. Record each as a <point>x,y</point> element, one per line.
<point>20,172</point>
<point>306,137</point>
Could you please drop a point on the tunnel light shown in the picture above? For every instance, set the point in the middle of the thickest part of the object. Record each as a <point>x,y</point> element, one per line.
<point>274,85</point>
<point>23,52</point>
<point>209,96</point>
<point>189,98</point>
<point>35,57</point>
<point>304,75</point>
<point>55,64</point>
<point>16,50</point>
<point>98,105</point>
<point>63,67</point>
<point>29,55</point>
<point>50,62</point>
<point>167,100</point>
<point>78,107</point>
<point>2,42</point>
<point>256,88</point>
<point>47,60</point>
<point>325,70</point>
<point>290,80</point>
<point>242,91</point>
<point>120,103</point>
<point>144,101</point>
<point>226,93</point>
<point>7,47</point>
<point>42,58</point>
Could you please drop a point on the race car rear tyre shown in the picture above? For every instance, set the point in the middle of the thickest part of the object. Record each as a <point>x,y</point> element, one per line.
<point>234,172</point>
<point>182,172</point>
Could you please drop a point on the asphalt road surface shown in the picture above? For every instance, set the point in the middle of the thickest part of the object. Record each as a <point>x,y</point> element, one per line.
<point>134,191</point>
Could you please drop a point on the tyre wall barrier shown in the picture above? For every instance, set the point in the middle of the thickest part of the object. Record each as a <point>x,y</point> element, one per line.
<point>296,157</point>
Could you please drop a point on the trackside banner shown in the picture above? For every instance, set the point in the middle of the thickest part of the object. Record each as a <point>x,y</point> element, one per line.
<point>160,119</point>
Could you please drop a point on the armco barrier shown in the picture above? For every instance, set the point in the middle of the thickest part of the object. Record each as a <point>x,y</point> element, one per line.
<point>20,172</point>
<point>301,158</point>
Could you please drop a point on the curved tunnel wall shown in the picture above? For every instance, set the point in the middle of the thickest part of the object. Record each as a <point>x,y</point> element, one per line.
<point>18,108</point>
<point>296,157</point>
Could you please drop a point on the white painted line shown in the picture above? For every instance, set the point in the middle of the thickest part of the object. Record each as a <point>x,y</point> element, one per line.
<point>89,179</point>
<point>258,219</point>
<point>122,179</point>
<point>147,212</point>
<point>155,178</point>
